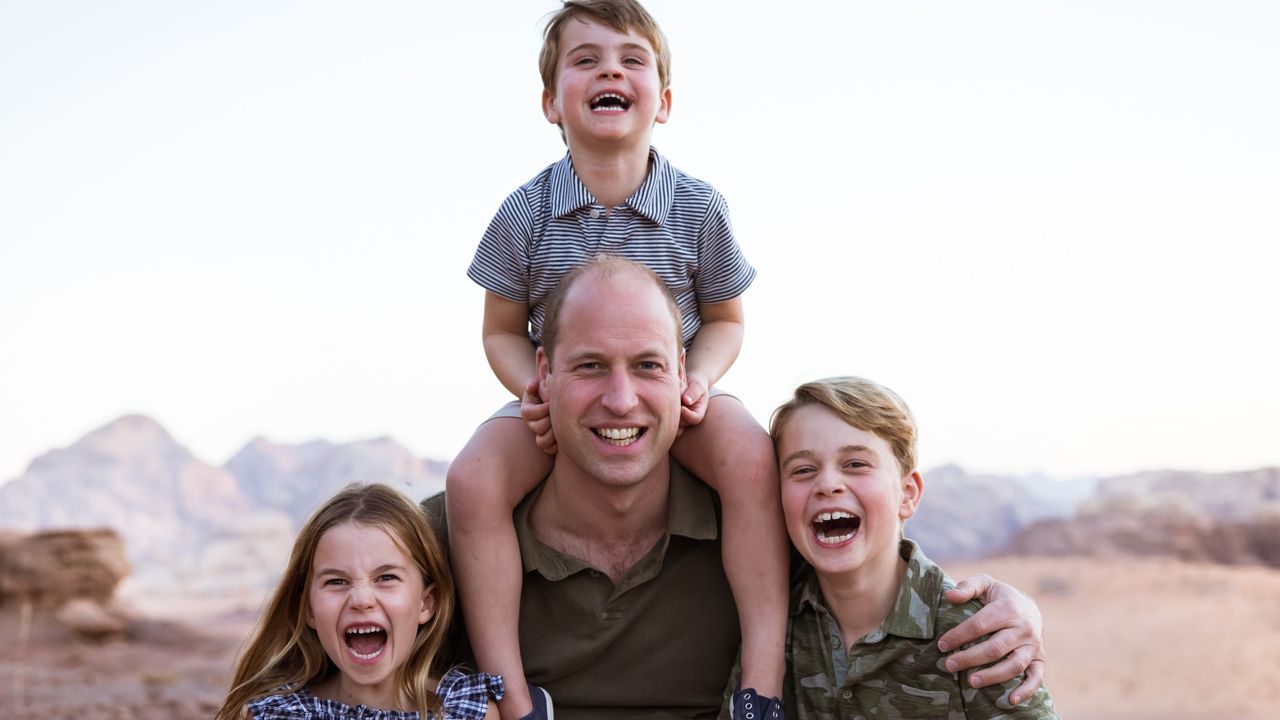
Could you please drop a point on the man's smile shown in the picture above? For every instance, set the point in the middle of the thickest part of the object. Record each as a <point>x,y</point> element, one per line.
<point>619,437</point>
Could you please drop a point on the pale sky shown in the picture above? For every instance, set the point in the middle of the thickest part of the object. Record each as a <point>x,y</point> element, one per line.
<point>1053,227</point>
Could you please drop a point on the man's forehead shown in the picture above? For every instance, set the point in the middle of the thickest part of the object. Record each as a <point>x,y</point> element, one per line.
<point>615,306</point>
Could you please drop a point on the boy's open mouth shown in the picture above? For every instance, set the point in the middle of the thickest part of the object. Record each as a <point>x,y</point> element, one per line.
<point>610,102</point>
<point>366,641</point>
<point>619,437</point>
<point>835,527</point>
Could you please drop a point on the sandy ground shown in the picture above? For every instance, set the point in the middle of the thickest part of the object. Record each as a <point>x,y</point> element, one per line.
<point>1127,639</point>
<point>1154,638</point>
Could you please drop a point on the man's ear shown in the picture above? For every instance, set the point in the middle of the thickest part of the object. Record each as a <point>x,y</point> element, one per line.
<point>549,108</point>
<point>542,363</point>
<point>664,107</point>
<point>912,490</point>
<point>684,380</point>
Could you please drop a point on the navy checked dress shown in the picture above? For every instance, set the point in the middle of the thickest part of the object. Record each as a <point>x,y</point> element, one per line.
<point>465,697</point>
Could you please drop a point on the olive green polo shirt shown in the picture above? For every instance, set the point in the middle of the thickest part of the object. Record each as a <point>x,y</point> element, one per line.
<point>896,670</point>
<point>660,644</point>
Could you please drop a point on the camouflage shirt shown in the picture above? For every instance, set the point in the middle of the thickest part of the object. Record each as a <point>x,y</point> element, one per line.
<point>896,670</point>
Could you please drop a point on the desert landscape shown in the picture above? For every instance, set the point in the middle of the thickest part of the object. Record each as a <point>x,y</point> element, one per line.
<point>1127,638</point>
<point>130,573</point>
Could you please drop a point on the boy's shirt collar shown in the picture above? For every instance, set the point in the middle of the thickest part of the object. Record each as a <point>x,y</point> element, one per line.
<point>652,200</point>
<point>913,612</point>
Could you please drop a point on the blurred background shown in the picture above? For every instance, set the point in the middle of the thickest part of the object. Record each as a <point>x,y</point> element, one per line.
<point>233,244</point>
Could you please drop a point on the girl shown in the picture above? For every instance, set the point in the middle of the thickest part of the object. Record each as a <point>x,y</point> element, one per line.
<point>353,628</point>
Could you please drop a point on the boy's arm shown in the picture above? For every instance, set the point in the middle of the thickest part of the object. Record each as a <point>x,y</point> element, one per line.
<point>1016,636</point>
<point>714,349</point>
<point>506,342</point>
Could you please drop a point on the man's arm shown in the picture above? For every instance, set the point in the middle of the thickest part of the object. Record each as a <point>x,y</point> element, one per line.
<point>1016,639</point>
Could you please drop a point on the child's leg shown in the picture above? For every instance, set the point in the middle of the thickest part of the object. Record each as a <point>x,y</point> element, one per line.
<point>498,467</point>
<point>730,452</point>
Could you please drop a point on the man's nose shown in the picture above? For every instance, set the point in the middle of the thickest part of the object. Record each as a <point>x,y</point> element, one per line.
<point>620,394</point>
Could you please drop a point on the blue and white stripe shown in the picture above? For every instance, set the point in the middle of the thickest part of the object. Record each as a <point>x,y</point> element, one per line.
<point>677,225</point>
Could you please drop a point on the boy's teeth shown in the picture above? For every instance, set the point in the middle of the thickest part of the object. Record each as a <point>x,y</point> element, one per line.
<point>823,537</point>
<point>838,515</point>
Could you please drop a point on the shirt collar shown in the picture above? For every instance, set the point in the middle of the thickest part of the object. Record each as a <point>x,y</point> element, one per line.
<point>691,513</point>
<point>652,200</point>
<point>913,612</point>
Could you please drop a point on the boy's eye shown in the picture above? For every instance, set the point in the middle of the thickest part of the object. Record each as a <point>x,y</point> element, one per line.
<point>633,60</point>
<point>857,464</point>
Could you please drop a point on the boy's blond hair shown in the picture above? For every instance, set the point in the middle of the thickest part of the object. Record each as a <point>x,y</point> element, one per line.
<point>621,15</point>
<point>864,405</point>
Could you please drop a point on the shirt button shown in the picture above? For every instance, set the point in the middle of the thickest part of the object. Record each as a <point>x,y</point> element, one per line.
<point>846,694</point>
<point>595,213</point>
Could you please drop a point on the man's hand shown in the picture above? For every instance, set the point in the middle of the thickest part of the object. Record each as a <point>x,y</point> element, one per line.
<point>1017,636</point>
<point>693,403</point>
<point>537,415</point>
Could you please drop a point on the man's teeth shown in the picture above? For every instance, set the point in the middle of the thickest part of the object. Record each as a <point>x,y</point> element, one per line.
<point>619,436</point>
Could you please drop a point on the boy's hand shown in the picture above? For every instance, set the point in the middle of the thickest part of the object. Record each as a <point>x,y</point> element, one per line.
<point>537,415</point>
<point>1017,636</point>
<point>694,401</point>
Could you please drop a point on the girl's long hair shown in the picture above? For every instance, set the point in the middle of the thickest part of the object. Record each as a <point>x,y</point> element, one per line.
<point>285,655</point>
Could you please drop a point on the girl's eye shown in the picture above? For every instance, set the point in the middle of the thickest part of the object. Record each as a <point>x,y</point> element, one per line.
<point>388,578</point>
<point>584,61</point>
<point>335,582</point>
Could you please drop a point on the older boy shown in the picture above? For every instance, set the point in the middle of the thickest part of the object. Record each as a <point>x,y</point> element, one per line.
<point>606,73</point>
<point>868,608</point>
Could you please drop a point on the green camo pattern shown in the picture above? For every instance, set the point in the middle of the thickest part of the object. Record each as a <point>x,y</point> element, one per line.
<point>895,671</point>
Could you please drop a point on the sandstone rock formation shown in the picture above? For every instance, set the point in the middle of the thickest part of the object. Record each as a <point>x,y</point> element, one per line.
<point>51,568</point>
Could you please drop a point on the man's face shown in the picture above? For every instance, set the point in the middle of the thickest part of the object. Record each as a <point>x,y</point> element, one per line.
<point>614,387</point>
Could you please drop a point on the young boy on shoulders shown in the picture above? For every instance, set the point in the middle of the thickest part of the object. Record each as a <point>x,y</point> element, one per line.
<point>847,459</point>
<point>605,68</point>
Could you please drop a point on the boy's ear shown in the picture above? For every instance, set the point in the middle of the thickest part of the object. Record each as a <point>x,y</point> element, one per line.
<point>664,107</point>
<point>428,608</point>
<point>549,108</point>
<point>912,489</point>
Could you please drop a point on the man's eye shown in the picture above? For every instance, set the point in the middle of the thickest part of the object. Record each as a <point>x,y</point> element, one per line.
<point>649,365</point>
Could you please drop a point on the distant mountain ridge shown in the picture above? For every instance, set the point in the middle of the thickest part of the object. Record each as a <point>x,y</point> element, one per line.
<point>225,532</point>
<point>189,526</point>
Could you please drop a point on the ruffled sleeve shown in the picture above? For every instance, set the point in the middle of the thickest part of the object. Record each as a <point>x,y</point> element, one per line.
<point>466,696</point>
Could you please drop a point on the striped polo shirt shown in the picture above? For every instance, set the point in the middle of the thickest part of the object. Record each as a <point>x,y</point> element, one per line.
<point>677,225</point>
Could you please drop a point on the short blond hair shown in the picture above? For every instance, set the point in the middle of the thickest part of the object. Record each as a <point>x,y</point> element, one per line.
<point>621,15</point>
<point>863,404</point>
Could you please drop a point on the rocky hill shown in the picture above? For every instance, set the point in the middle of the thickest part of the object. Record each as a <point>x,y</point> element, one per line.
<point>189,527</point>
<point>964,517</point>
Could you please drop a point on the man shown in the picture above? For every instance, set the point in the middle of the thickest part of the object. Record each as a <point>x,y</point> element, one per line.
<point>625,609</point>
